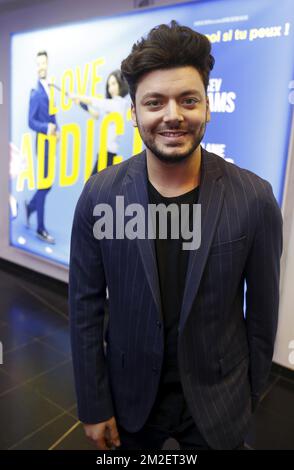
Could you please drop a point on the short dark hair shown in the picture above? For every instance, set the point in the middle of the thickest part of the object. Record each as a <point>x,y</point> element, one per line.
<point>42,53</point>
<point>168,46</point>
<point>122,84</point>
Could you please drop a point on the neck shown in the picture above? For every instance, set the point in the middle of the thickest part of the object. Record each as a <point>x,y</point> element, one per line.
<point>172,180</point>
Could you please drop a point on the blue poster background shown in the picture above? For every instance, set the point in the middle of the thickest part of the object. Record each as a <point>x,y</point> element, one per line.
<point>249,93</point>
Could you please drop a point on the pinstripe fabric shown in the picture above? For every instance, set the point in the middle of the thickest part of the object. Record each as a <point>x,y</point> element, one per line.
<point>224,358</point>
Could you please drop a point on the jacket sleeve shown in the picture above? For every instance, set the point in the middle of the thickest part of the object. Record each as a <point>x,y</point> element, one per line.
<point>84,106</point>
<point>34,123</point>
<point>52,118</point>
<point>87,294</point>
<point>262,296</point>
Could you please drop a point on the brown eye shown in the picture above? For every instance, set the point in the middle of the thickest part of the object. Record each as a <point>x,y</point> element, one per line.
<point>153,103</point>
<point>191,101</point>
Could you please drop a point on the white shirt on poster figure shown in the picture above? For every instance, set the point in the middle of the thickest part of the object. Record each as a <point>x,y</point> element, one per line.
<point>117,100</point>
<point>117,104</point>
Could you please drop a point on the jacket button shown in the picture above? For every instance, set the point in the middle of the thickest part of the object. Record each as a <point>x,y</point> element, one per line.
<point>158,324</point>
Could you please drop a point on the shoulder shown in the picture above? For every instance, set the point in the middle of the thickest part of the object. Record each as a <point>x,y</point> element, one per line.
<point>252,194</point>
<point>35,92</point>
<point>242,180</point>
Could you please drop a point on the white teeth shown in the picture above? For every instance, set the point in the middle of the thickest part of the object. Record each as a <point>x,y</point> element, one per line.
<point>172,134</point>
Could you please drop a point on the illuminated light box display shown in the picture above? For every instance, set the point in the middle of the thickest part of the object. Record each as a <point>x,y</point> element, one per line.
<point>249,97</point>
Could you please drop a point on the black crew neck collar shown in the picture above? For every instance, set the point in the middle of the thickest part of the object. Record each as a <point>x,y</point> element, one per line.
<point>184,195</point>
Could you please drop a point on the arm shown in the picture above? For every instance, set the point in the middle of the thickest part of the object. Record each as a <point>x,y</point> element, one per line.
<point>87,293</point>
<point>91,111</point>
<point>34,123</point>
<point>44,127</point>
<point>262,297</point>
<point>84,106</point>
<point>82,100</point>
<point>106,105</point>
<point>52,119</point>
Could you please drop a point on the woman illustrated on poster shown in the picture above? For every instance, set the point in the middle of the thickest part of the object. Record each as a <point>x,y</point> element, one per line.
<point>115,101</point>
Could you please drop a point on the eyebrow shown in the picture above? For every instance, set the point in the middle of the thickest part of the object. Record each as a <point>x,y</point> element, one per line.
<point>160,95</point>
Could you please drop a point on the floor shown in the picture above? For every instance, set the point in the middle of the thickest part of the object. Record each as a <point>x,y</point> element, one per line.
<point>37,400</point>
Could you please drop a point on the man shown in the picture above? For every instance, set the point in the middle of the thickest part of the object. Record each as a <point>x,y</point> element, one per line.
<point>181,359</point>
<point>41,122</point>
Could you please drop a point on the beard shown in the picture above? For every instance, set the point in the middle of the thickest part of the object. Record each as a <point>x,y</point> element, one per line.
<point>165,157</point>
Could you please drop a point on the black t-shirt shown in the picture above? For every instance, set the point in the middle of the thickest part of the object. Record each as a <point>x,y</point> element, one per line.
<point>172,263</point>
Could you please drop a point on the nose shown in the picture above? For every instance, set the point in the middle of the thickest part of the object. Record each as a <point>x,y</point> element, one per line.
<point>172,113</point>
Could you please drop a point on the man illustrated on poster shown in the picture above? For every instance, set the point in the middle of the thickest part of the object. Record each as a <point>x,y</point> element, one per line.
<point>41,122</point>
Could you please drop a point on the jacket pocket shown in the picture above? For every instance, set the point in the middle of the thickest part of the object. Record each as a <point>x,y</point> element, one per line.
<point>232,360</point>
<point>229,246</point>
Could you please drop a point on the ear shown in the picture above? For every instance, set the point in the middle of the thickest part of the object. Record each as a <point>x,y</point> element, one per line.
<point>208,116</point>
<point>133,114</point>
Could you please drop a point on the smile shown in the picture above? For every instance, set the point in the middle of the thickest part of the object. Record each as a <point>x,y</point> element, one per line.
<point>173,134</point>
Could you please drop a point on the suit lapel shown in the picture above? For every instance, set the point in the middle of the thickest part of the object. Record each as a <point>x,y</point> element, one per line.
<point>42,90</point>
<point>136,191</point>
<point>211,193</point>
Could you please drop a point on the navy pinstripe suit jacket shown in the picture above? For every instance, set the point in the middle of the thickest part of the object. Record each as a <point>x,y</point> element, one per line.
<point>224,359</point>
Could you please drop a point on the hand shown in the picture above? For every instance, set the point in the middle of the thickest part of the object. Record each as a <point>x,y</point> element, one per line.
<point>51,128</point>
<point>74,98</point>
<point>104,435</point>
<point>93,113</point>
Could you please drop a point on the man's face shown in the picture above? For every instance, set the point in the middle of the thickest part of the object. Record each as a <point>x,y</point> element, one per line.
<point>42,66</point>
<point>171,112</point>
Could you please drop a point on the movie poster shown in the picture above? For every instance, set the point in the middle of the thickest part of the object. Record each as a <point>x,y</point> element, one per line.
<point>70,107</point>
